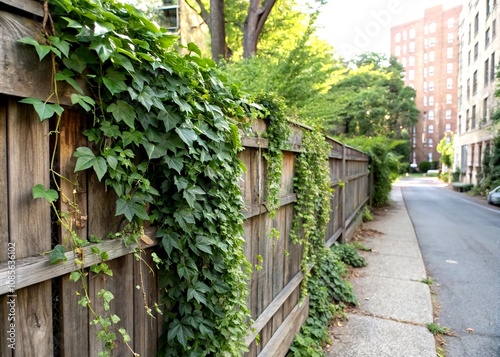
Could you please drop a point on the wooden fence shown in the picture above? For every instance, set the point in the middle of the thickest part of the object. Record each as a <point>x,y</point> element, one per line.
<point>45,316</point>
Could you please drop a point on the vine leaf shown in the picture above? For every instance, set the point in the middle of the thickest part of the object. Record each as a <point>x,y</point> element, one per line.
<point>86,159</point>
<point>180,332</point>
<point>84,101</point>
<point>41,50</point>
<point>187,135</point>
<point>43,109</point>
<point>130,208</point>
<point>39,191</point>
<point>122,111</point>
<point>57,255</point>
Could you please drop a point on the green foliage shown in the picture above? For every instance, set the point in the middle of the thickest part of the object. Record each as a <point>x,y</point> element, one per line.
<point>445,148</point>
<point>278,133</point>
<point>329,292</point>
<point>367,214</point>
<point>436,329</point>
<point>424,166</point>
<point>312,210</point>
<point>371,99</point>
<point>165,137</point>
<point>348,254</point>
<point>384,164</point>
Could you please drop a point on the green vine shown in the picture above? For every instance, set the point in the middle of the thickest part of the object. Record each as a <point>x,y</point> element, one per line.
<point>164,136</point>
<point>277,133</point>
<point>313,189</point>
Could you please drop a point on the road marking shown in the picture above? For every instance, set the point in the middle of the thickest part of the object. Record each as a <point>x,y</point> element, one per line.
<point>449,261</point>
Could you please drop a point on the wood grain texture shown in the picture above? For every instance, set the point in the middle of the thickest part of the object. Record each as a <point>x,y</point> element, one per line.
<point>73,317</point>
<point>30,6</point>
<point>29,223</point>
<point>4,225</point>
<point>22,73</point>
<point>145,332</point>
<point>280,343</point>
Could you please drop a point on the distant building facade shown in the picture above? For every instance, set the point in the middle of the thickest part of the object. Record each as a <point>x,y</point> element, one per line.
<point>428,50</point>
<point>478,59</point>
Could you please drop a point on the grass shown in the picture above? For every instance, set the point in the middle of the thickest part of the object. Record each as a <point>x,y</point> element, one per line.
<point>429,281</point>
<point>436,329</point>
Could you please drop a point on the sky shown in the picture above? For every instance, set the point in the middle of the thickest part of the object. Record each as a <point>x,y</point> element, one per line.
<point>356,26</point>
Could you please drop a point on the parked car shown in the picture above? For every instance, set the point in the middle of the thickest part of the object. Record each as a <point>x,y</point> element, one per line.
<point>494,196</point>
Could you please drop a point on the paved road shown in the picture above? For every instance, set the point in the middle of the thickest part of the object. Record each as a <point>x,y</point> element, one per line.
<point>459,237</point>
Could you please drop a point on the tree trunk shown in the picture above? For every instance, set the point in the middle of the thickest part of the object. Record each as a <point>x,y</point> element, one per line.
<point>254,23</point>
<point>217,30</point>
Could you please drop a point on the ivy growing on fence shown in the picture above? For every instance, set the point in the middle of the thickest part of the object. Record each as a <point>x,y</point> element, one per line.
<point>163,133</point>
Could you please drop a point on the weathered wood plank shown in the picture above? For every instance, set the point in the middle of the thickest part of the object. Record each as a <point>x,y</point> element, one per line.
<point>279,345</point>
<point>23,75</point>
<point>257,209</point>
<point>29,224</point>
<point>145,332</point>
<point>73,200</point>
<point>33,7</point>
<point>278,269</point>
<point>4,224</point>
<point>33,270</point>
<point>268,313</point>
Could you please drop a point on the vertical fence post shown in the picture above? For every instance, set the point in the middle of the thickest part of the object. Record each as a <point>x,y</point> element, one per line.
<point>343,177</point>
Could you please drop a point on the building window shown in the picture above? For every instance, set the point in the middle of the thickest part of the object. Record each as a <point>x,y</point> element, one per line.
<point>448,98</point>
<point>412,33</point>
<point>432,27</point>
<point>425,72</point>
<point>467,121</point>
<point>425,100</point>
<point>431,144</point>
<point>425,116</point>
<point>448,127</point>
<point>476,51</point>
<point>451,22</point>
<point>492,68</point>
<point>470,32</point>
<point>486,71</point>
<point>404,49</point>
<point>426,29</point>
<point>468,88</point>
<point>494,28</point>
<point>468,58</point>
<point>426,56</point>
<point>485,109</point>
<point>476,24</point>
<point>449,83</point>
<point>487,38</point>
<point>451,37</point>
<point>411,74</point>
<point>397,37</point>
<point>473,119</point>
<point>411,60</point>
<point>431,70</point>
<point>431,114</point>
<point>403,61</point>
<point>474,83</point>
<point>432,56</point>
<point>411,85</point>
<point>397,51</point>
<point>449,68</point>
<point>489,7</point>
<point>432,41</point>
<point>430,129</point>
<point>449,52</point>
<point>404,35</point>
<point>431,86</point>
<point>411,47</point>
<point>448,113</point>
<point>425,86</point>
<point>431,100</point>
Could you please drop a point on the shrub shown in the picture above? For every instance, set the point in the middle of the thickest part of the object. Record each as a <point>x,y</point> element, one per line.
<point>424,166</point>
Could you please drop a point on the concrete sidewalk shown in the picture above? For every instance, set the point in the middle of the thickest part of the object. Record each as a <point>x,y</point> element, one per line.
<point>394,303</point>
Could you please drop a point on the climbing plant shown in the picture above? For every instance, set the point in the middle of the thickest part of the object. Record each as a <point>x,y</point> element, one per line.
<point>277,133</point>
<point>164,136</point>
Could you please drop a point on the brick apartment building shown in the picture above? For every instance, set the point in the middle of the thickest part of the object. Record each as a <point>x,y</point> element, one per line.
<point>478,59</point>
<point>428,49</point>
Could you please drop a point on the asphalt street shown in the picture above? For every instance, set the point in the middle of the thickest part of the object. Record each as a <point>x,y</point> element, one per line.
<point>459,237</point>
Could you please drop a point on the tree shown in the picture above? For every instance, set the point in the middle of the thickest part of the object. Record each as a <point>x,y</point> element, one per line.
<point>218,30</point>
<point>445,148</point>
<point>258,13</point>
<point>370,98</point>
